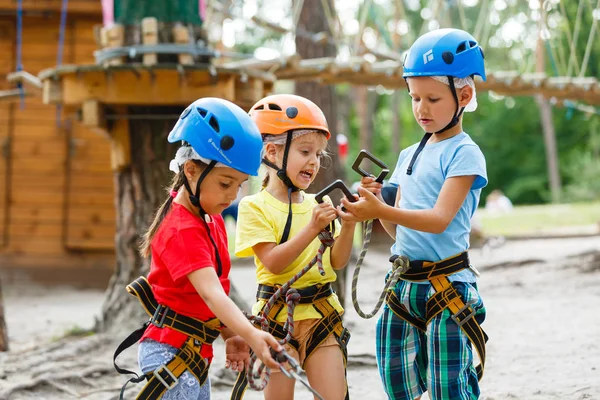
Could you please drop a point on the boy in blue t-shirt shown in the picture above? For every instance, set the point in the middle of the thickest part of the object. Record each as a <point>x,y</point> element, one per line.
<point>431,321</point>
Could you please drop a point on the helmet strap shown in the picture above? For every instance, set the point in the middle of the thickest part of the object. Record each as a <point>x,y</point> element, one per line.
<point>288,222</point>
<point>195,200</point>
<point>451,124</point>
<point>282,174</point>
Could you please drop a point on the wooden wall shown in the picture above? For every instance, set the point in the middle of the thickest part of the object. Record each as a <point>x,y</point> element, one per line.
<point>56,183</point>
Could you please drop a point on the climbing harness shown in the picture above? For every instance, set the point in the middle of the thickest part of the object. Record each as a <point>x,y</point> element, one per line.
<point>187,357</point>
<point>281,296</point>
<point>445,296</point>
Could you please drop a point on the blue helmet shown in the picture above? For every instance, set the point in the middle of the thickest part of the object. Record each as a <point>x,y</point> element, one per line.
<point>221,131</point>
<point>445,52</point>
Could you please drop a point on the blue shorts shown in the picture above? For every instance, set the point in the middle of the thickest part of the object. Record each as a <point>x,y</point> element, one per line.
<point>152,354</point>
<point>439,361</point>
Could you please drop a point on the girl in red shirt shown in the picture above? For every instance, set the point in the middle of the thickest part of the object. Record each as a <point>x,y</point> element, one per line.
<point>187,240</point>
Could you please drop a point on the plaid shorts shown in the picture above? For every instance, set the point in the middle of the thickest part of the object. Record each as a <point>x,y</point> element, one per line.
<point>440,361</point>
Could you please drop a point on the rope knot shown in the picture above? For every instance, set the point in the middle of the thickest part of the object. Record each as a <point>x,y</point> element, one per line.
<point>401,262</point>
<point>326,238</point>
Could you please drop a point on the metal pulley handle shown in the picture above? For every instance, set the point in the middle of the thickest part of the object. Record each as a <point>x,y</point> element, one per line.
<point>366,154</point>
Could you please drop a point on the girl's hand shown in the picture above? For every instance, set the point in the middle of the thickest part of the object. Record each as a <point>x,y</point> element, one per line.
<point>367,207</point>
<point>237,353</point>
<point>322,215</point>
<point>261,343</point>
<point>370,183</point>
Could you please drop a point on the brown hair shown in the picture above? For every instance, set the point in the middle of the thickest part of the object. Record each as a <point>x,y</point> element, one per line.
<point>176,184</point>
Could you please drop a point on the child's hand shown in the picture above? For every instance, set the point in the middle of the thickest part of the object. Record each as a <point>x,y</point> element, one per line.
<point>367,207</point>
<point>322,215</point>
<point>237,353</point>
<point>261,343</point>
<point>370,183</point>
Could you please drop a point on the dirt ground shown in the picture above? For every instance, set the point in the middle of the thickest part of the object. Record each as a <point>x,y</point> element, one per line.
<point>542,298</point>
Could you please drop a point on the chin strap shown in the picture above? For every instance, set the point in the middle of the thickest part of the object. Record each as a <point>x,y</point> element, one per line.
<point>282,174</point>
<point>195,200</point>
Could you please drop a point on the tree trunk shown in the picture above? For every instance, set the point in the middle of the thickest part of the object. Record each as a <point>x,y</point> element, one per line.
<point>312,19</point>
<point>396,123</point>
<point>3,330</point>
<point>140,190</point>
<point>366,104</point>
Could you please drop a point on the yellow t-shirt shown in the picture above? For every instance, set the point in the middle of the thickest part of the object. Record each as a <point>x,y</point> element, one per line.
<point>261,219</point>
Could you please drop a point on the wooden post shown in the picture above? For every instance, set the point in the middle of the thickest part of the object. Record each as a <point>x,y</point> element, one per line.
<point>149,37</point>
<point>181,35</point>
<point>113,36</point>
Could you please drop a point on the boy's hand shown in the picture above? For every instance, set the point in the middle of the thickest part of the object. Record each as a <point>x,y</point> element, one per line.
<point>367,207</point>
<point>237,353</point>
<point>322,215</point>
<point>370,183</point>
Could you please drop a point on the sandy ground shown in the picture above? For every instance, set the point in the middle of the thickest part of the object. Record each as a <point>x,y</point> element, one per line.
<point>543,322</point>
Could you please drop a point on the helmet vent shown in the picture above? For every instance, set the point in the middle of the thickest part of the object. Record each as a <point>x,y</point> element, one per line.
<point>472,44</point>
<point>202,112</point>
<point>214,124</point>
<point>481,50</point>
<point>274,107</point>
<point>461,47</point>
<point>261,107</point>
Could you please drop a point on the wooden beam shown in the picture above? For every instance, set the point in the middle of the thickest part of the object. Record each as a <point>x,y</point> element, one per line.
<point>25,77</point>
<point>120,154</point>
<point>144,86</point>
<point>93,116</point>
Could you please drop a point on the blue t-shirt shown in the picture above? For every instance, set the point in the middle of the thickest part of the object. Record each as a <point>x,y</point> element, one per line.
<point>456,156</point>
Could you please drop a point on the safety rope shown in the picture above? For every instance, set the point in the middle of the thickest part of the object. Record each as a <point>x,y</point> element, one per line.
<point>258,378</point>
<point>398,268</point>
<point>20,50</point>
<point>60,50</point>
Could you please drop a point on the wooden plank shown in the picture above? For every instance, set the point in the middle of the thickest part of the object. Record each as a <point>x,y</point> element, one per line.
<point>91,244</point>
<point>85,7</point>
<point>162,87</point>
<point>22,214</point>
<point>39,148</point>
<point>35,246</point>
<point>88,199</point>
<point>35,130</point>
<point>54,231</point>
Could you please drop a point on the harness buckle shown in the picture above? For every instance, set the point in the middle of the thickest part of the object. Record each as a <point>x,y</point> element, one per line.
<point>162,380</point>
<point>158,319</point>
<point>456,317</point>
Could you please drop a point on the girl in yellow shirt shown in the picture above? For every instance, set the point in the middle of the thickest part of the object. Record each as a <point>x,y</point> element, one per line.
<point>279,226</point>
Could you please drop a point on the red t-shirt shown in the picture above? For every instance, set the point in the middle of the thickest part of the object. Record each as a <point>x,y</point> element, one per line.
<point>180,246</point>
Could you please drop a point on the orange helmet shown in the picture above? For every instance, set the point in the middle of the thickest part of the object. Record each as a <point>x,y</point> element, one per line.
<point>280,113</point>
